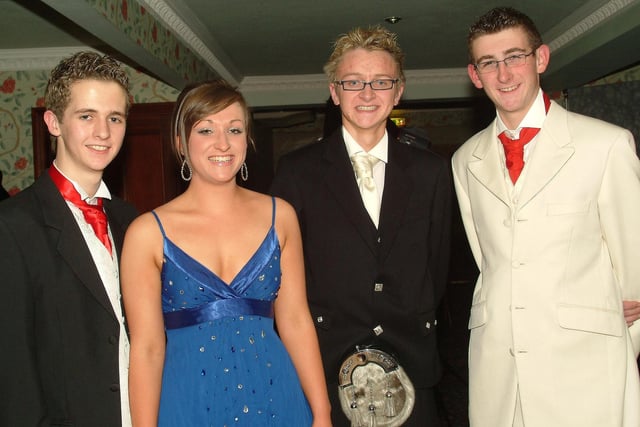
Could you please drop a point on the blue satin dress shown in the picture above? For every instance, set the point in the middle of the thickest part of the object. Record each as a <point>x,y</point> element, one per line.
<point>225,365</point>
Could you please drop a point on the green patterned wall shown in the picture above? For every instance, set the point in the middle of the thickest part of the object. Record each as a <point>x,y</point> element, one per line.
<point>134,21</point>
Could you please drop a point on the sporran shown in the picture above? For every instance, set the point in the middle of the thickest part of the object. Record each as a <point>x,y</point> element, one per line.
<point>374,390</point>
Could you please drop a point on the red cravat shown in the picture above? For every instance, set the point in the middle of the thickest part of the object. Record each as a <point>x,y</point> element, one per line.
<point>93,214</point>
<point>514,148</point>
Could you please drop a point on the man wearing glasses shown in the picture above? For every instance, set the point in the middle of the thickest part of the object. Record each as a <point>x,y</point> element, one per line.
<point>550,203</point>
<point>374,215</point>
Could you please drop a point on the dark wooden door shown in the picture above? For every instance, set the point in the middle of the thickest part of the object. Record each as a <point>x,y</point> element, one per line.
<point>145,172</point>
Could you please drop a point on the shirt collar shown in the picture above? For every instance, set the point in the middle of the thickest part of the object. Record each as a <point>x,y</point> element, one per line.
<point>102,192</point>
<point>379,151</point>
<point>533,119</point>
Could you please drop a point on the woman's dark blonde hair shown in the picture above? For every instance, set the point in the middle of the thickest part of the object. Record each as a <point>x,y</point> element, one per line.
<point>199,100</point>
<point>372,38</point>
<point>82,66</point>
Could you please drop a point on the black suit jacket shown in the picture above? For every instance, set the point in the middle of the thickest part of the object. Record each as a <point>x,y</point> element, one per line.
<point>59,344</point>
<point>3,192</point>
<point>345,255</point>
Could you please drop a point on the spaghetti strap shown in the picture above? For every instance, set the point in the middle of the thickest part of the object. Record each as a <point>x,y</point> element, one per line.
<point>273,213</point>
<point>159,224</point>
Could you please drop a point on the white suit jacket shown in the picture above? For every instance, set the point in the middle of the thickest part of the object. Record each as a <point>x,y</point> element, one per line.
<point>555,264</point>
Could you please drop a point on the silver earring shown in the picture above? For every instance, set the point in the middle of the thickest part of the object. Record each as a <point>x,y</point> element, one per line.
<point>244,172</point>
<point>186,167</point>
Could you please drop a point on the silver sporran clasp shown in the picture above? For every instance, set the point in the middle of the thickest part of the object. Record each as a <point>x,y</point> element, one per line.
<point>374,390</point>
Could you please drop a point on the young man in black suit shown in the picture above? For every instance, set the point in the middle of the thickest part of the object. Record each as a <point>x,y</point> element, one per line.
<point>376,246</point>
<point>64,357</point>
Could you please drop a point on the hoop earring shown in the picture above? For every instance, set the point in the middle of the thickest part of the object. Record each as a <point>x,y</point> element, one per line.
<point>185,176</point>
<point>244,172</point>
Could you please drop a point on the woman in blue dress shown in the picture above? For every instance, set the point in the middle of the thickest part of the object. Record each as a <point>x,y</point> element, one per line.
<point>205,275</point>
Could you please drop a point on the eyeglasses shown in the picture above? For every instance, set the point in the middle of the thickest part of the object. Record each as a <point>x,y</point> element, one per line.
<point>355,85</point>
<point>509,61</point>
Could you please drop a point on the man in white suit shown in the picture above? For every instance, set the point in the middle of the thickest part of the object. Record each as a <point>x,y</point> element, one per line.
<point>556,244</point>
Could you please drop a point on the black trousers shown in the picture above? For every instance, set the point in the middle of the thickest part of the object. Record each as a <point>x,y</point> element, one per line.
<point>424,414</point>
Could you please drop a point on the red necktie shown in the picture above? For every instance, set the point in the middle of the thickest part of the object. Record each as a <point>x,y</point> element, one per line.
<point>93,214</point>
<point>514,148</point>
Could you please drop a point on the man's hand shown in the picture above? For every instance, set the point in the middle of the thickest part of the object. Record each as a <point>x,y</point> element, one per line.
<point>631,311</point>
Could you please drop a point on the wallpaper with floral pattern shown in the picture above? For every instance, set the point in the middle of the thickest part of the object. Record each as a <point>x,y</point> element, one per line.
<point>141,27</point>
<point>22,90</point>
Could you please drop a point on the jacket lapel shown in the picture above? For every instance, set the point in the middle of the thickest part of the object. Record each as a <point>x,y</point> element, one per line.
<point>341,182</point>
<point>485,165</point>
<point>117,228</point>
<point>71,244</point>
<point>398,186</point>
<point>553,150</point>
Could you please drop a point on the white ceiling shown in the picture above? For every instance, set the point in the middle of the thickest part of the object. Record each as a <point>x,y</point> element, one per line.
<point>275,49</point>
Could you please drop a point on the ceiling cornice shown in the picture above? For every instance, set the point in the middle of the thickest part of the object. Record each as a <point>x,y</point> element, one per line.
<point>195,42</point>
<point>445,83</point>
<point>600,15</point>
<point>603,41</point>
<point>30,59</point>
<point>36,58</point>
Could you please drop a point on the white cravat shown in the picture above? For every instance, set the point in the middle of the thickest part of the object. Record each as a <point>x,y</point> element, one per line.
<point>363,166</point>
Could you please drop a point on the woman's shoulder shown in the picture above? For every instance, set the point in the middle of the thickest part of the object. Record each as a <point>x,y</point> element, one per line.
<point>143,223</point>
<point>152,220</point>
<point>283,206</point>
<point>285,215</point>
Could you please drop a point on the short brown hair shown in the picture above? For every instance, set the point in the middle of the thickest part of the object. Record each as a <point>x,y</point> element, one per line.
<point>502,18</point>
<point>197,101</point>
<point>81,66</point>
<point>372,38</point>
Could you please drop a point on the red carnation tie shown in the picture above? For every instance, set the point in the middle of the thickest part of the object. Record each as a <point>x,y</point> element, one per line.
<point>514,148</point>
<point>93,214</point>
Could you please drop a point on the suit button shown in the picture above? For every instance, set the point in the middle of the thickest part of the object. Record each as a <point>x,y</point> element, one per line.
<point>507,223</point>
<point>113,339</point>
<point>114,387</point>
<point>378,287</point>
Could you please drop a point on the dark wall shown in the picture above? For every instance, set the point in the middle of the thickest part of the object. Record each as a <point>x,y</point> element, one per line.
<point>617,103</point>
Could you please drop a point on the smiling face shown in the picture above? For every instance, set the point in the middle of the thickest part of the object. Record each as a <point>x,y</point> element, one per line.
<point>218,145</point>
<point>91,130</point>
<point>365,112</point>
<point>512,89</point>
